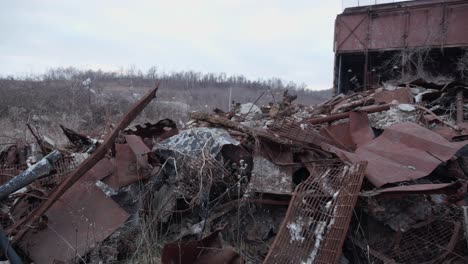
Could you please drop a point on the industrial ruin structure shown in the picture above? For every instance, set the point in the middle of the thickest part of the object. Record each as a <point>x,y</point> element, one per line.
<point>377,43</point>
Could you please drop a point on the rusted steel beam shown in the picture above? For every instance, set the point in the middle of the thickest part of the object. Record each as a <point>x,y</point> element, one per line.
<point>460,106</point>
<point>437,117</point>
<point>253,132</point>
<point>335,117</point>
<point>36,171</point>
<point>38,139</point>
<point>99,154</point>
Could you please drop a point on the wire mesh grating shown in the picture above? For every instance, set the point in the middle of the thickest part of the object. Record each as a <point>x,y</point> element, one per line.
<point>318,216</point>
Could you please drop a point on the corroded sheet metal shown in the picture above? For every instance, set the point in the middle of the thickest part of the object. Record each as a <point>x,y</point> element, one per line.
<point>404,152</point>
<point>304,134</point>
<point>163,129</point>
<point>318,216</point>
<point>137,145</point>
<point>359,129</point>
<point>127,170</point>
<point>79,220</point>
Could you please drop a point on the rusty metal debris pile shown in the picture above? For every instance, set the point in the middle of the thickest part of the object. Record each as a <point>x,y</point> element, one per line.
<point>378,176</point>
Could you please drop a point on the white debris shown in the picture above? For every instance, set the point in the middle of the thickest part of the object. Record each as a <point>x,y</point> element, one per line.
<point>295,230</point>
<point>319,232</point>
<point>406,107</point>
<point>250,111</point>
<point>393,116</point>
<point>106,189</point>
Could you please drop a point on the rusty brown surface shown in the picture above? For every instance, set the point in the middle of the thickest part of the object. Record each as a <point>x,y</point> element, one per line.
<point>359,129</point>
<point>127,169</point>
<point>303,135</point>
<point>404,152</point>
<point>137,145</point>
<point>100,152</point>
<point>340,134</point>
<point>402,95</point>
<point>80,219</point>
<point>159,131</point>
<point>315,225</point>
<point>423,23</point>
<point>335,117</point>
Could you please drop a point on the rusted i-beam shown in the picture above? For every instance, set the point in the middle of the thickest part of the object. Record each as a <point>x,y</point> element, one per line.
<point>23,224</point>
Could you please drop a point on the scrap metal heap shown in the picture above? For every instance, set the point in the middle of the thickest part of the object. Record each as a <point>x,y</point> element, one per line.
<point>378,176</point>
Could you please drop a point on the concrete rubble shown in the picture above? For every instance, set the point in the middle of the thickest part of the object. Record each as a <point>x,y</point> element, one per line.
<point>376,176</point>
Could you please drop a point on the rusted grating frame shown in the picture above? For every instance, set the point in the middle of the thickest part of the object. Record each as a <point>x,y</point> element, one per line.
<point>303,134</point>
<point>318,216</point>
<point>9,171</point>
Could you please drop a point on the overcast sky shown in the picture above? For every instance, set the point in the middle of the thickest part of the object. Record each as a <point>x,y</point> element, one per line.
<point>292,40</point>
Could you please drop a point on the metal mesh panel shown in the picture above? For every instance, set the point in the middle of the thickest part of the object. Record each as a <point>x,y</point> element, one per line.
<point>318,216</point>
<point>430,242</point>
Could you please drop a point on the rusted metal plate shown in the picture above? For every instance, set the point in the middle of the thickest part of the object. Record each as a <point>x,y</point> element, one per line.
<point>303,134</point>
<point>80,219</point>
<point>404,152</point>
<point>402,95</point>
<point>208,250</point>
<point>359,129</point>
<point>162,130</point>
<point>137,145</point>
<point>318,216</point>
<point>127,168</point>
<point>340,133</point>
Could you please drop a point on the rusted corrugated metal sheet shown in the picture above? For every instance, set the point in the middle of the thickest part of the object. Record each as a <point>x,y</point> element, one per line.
<point>315,226</point>
<point>402,25</point>
<point>404,152</point>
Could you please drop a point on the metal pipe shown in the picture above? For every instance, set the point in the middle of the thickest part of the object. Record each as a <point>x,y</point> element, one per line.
<point>460,106</point>
<point>36,171</point>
